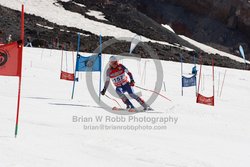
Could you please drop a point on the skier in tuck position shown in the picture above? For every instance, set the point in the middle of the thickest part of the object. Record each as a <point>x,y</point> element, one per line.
<point>116,72</point>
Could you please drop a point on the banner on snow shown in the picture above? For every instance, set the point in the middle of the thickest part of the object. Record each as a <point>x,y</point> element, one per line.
<point>11,59</point>
<point>205,100</point>
<point>90,63</point>
<point>188,81</point>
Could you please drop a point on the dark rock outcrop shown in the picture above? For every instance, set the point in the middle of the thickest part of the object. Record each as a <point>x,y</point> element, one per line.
<point>221,23</point>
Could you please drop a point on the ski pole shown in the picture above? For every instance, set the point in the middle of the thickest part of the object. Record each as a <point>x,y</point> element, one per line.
<point>223,82</point>
<point>113,100</point>
<point>153,92</point>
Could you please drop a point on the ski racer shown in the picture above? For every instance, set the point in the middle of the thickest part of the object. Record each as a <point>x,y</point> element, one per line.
<point>117,73</point>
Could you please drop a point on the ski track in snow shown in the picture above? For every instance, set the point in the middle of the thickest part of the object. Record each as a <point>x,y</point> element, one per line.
<point>204,136</point>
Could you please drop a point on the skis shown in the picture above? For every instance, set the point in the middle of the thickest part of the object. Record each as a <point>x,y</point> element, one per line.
<point>130,109</point>
<point>124,109</point>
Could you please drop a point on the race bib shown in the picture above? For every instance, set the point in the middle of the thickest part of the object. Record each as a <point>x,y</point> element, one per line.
<point>119,80</point>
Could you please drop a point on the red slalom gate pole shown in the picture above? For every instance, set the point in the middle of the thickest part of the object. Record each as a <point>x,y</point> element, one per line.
<point>199,76</point>
<point>213,80</point>
<point>20,72</point>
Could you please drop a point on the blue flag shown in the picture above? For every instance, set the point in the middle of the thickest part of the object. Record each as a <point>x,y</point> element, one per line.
<point>187,82</point>
<point>90,63</point>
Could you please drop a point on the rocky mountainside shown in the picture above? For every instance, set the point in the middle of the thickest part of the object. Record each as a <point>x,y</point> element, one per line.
<point>224,24</point>
<point>143,17</point>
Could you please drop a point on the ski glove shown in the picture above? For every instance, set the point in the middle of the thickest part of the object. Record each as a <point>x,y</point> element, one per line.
<point>103,91</point>
<point>132,83</point>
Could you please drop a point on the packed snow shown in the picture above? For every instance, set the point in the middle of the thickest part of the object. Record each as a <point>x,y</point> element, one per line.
<point>81,5</point>
<point>97,14</point>
<point>212,50</point>
<point>168,27</point>
<point>207,48</point>
<point>47,27</point>
<point>193,135</point>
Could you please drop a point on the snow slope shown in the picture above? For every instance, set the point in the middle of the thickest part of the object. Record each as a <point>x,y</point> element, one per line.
<point>203,136</point>
<point>168,27</point>
<point>212,50</point>
<point>53,12</point>
<point>97,14</point>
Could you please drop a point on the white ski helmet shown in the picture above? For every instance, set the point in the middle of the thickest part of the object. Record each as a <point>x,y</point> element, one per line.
<point>113,59</point>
